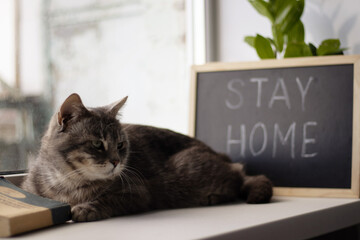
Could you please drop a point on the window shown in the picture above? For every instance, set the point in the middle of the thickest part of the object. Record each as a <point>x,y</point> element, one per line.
<point>103,50</point>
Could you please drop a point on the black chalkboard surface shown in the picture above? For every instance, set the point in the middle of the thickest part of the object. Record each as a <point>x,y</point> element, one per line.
<point>295,120</point>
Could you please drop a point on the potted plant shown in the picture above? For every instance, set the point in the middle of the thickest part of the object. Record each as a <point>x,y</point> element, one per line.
<point>288,33</point>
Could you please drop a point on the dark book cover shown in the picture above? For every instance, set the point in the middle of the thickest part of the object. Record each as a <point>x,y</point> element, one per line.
<point>21,211</point>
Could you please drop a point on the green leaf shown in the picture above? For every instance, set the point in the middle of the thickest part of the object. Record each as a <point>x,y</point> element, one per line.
<point>263,47</point>
<point>277,6</point>
<point>272,42</point>
<point>313,49</point>
<point>263,8</point>
<point>287,30</point>
<point>297,33</point>
<point>329,47</point>
<point>290,15</point>
<point>338,53</point>
<point>278,38</point>
<point>297,50</point>
<point>250,40</point>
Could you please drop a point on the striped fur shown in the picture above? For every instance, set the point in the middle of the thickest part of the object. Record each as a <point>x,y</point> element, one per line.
<point>103,168</point>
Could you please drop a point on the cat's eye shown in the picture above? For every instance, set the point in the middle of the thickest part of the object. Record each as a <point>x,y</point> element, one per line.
<point>120,145</point>
<point>97,144</point>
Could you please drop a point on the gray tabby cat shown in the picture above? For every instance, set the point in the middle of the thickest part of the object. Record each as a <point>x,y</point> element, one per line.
<point>103,168</point>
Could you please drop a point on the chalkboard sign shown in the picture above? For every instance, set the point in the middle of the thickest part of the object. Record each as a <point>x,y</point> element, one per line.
<point>294,120</point>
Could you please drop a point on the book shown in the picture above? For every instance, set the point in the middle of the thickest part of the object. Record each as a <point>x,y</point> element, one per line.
<point>21,211</point>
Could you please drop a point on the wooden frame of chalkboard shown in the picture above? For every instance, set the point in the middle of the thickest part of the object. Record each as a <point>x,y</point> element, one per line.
<point>295,120</point>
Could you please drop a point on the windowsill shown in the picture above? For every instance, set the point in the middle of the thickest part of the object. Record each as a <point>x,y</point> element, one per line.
<point>15,178</point>
<point>284,218</point>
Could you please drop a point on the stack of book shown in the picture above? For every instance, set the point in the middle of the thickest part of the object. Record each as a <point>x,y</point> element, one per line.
<point>21,211</point>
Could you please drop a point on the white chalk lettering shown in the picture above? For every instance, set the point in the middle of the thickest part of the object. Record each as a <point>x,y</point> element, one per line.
<point>237,92</point>
<point>259,82</point>
<point>284,97</point>
<point>303,91</point>
<point>241,141</point>
<point>251,140</point>
<point>307,141</point>
<point>283,140</point>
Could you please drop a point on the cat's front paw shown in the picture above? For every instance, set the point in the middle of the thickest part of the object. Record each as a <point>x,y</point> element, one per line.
<point>85,212</point>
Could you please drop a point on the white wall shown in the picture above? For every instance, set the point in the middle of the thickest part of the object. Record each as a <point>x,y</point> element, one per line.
<point>322,19</point>
<point>129,48</point>
<point>7,46</point>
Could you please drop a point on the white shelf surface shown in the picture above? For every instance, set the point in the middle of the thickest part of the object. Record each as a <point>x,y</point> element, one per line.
<point>283,218</point>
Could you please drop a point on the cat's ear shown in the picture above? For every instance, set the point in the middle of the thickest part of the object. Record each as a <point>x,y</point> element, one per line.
<point>71,107</point>
<point>114,108</point>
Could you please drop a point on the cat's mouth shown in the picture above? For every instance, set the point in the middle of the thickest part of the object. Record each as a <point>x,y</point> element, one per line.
<point>116,170</point>
<point>112,171</point>
<point>90,170</point>
<point>119,169</point>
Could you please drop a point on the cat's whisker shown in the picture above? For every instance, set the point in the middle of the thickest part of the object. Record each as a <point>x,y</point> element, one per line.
<point>122,183</point>
<point>76,175</point>
<point>61,181</point>
<point>126,127</point>
<point>127,180</point>
<point>137,174</point>
<point>132,183</point>
<point>125,185</point>
<point>132,180</point>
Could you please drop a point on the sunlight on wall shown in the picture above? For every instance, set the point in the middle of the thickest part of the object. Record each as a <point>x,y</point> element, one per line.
<point>7,47</point>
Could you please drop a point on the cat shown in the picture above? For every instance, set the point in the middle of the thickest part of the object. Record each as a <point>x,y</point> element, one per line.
<point>104,168</point>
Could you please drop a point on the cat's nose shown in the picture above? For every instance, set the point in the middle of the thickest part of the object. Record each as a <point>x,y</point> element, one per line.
<point>114,162</point>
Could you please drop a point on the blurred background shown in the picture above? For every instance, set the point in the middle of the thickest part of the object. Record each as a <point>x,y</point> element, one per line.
<point>105,50</point>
